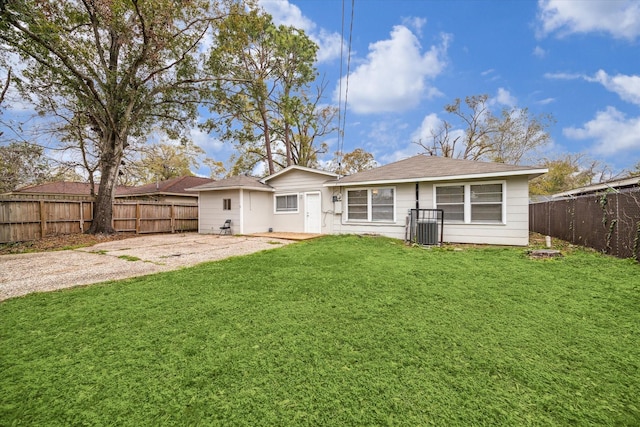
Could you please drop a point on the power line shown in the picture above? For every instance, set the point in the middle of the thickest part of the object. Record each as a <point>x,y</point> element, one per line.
<point>342,109</point>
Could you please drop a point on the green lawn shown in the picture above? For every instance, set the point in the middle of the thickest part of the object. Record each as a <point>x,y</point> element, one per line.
<point>335,331</point>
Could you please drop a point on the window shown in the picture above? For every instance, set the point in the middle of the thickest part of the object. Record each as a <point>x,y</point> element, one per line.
<point>371,204</point>
<point>451,200</point>
<point>486,203</point>
<point>226,204</point>
<point>472,203</point>
<point>287,203</point>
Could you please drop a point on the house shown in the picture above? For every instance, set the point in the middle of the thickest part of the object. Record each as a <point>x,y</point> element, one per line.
<point>616,185</point>
<point>170,191</point>
<point>67,190</point>
<point>482,202</point>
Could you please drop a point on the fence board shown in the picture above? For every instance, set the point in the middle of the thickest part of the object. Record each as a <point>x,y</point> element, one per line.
<point>609,222</point>
<point>22,220</point>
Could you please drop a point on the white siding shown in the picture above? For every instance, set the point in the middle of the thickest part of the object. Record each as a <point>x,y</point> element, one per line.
<point>515,230</point>
<point>257,211</point>
<point>211,216</point>
<point>300,182</point>
<point>405,199</point>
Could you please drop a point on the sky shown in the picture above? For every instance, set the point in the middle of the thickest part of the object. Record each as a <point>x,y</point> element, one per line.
<point>577,60</point>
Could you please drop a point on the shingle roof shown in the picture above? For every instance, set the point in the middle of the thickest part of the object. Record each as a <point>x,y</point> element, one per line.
<point>68,188</point>
<point>234,182</point>
<point>170,186</point>
<point>426,168</point>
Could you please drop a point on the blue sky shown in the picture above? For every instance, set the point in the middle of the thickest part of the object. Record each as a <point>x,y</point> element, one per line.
<point>578,60</point>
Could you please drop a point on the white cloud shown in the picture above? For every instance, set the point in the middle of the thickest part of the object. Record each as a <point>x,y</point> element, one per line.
<point>415,23</point>
<point>619,18</point>
<point>539,52</point>
<point>503,97</point>
<point>627,87</point>
<point>393,77</point>
<point>612,132</point>
<point>546,101</point>
<point>284,13</point>
<point>563,76</point>
<point>429,125</point>
<point>205,141</point>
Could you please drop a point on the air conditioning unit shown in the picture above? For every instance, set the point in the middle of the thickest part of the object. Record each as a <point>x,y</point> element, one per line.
<point>427,232</point>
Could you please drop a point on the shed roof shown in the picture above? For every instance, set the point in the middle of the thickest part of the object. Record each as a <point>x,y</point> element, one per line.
<point>234,183</point>
<point>431,168</point>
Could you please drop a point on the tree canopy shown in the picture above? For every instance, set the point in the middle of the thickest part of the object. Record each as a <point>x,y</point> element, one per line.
<point>264,104</point>
<point>512,136</point>
<point>117,67</point>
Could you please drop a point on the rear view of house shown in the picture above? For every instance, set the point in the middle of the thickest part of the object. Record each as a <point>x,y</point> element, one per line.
<point>482,202</point>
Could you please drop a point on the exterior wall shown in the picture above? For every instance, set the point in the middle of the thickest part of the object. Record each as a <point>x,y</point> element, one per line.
<point>211,216</point>
<point>301,182</point>
<point>257,211</point>
<point>515,230</point>
<point>405,199</point>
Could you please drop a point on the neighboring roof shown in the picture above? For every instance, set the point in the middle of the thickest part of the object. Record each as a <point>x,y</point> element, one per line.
<point>67,188</point>
<point>234,183</point>
<point>300,168</point>
<point>615,184</point>
<point>431,168</point>
<point>173,186</point>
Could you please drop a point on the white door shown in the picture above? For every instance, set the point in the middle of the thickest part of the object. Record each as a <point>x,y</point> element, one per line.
<point>312,213</point>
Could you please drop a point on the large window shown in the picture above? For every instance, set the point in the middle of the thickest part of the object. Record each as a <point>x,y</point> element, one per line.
<point>472,203</point>
<point>287,203</point>
<point>371,204</point>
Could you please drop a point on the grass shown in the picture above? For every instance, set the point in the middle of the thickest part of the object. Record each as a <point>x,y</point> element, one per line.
<point>129,257</point>
<point>341,330</point>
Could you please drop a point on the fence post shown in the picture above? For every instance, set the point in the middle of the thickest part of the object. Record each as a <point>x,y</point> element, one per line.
<point>81,217</point>
<point>137,217</point>
<point>173,218</point>
<point>43,219</point>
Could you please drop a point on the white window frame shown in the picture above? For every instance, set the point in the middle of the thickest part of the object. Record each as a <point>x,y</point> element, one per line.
<point>369,205</point>
<point>275,204</point>
<point>224,204</point>
<point>467,202</point>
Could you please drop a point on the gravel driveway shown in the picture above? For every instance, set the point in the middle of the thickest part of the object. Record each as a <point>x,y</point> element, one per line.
<point>46,271</point>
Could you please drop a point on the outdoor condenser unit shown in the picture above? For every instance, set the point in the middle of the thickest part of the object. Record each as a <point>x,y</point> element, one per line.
<point>427,232</point>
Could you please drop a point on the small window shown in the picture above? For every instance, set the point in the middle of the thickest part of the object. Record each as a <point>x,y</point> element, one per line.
<point>226,204</point>
<point>287,203</point>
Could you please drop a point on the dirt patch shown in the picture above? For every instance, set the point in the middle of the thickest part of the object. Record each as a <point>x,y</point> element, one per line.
<point>59,243</point>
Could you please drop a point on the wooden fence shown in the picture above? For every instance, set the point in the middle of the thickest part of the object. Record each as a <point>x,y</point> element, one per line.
<point>22,220</point>
<point>607,222</point>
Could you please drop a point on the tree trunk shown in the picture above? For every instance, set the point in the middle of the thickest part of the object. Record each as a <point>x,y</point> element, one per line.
<point>267,139</point>
<point>103,212</point>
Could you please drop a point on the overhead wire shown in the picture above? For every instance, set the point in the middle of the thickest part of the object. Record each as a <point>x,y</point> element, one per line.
<point>342,111</point>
